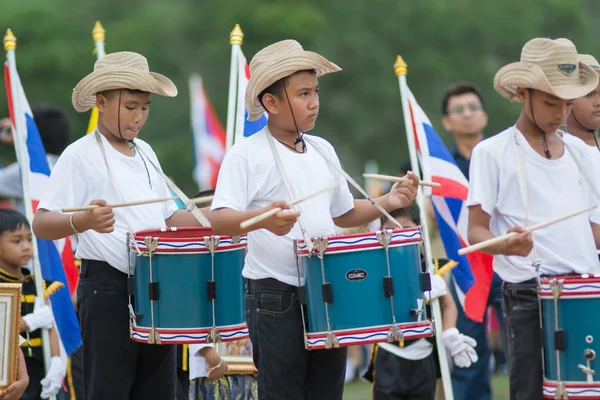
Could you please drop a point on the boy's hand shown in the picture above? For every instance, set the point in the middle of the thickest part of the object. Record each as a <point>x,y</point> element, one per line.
<point>16,390</point>
<point>282,222</point>
<point>101,219</point>
<point>216,367</point>
<point>404,193</point>
<point>41,317</point>
<point>520,245</point>
<point>51,384</point>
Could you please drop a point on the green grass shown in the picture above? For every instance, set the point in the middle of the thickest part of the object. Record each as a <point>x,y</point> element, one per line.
<point>361,390</point>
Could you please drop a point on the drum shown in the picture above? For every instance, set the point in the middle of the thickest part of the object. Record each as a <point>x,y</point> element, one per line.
<point>570,307</point>
<point>187,286</point>
<point>364,288</point>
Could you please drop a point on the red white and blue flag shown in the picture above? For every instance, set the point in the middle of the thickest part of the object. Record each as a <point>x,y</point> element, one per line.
<point>52,254</point>
<point>209,136</point>
<point>473,275</point>
<point>243,127</point>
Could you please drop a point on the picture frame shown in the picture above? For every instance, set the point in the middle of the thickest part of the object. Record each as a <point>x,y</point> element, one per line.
<point>10,314</point>
<point>238,356</point>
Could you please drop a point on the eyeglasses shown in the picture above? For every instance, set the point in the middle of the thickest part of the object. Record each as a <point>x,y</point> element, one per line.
<point>462,109</point>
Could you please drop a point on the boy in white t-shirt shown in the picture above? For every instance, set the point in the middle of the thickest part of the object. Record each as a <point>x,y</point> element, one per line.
<point>531,155</point>
<point>105,167</point>
<point>253,179</point>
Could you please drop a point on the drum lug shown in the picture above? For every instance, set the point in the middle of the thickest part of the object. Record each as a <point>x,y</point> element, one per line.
<point>395,335</point>
<point>236,239</point>
<point>331,341</point>
<point>384,237</point>
<point>557,287</point>
<point>213,336</point>
<point>561,393</point>
<point>154,337</point>
<point>320,245</point>
<point>211,243</point>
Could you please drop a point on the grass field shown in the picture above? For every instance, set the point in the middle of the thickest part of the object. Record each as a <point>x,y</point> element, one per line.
<point>362,390</point>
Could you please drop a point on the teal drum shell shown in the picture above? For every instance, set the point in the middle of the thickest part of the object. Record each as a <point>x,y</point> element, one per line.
<point>577,306</point>
<point>182,266</point>
<point>356,265</point>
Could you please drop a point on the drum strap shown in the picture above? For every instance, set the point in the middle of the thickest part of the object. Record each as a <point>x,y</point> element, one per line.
<point>582,170</point>
<point>355,184</point>
<point>117,192</point>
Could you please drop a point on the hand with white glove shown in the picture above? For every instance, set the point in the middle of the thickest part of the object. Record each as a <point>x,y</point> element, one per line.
<point>462,347</point>
<point>41,317</point>
<point>52,383</point>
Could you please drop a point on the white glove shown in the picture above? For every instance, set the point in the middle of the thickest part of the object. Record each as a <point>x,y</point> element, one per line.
<point>52,383</point>
<point>438,287</point>
<point>462,347</point>
<point>41,317</point>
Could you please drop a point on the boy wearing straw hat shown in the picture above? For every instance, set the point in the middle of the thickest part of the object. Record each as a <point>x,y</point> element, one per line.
<point>108,166</point>
<point>281,162</point>
<point>527,174</point>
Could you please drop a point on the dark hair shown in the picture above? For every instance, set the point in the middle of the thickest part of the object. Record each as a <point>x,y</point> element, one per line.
<point>111,94</point>
<point>411,212</point>
<point>457,89</point>
<point>53,125</point>
<point>11,220</point>
<point>278,87</point>
<point>205,193</point>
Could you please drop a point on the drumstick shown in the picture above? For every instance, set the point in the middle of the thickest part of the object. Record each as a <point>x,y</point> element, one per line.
<point>490,242</point>
<point>116,205</point>
<point>201,199</point>
<point>251,221</point>
<point>390,178</point>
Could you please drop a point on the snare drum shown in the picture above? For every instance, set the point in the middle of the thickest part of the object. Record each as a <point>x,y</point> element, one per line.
<point>570,307</point>
<point>364,288</point>
<point>187,286</point>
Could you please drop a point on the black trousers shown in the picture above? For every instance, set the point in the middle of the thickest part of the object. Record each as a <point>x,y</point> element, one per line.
<point>524,347</point>
<point>397,378</point>
<point>114,366</point>
<point>286,370</point>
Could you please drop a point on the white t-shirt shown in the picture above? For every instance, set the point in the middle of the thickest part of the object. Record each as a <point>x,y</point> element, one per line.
<point>555,188</point>
<point>80,176</point>
<point>249,179</point>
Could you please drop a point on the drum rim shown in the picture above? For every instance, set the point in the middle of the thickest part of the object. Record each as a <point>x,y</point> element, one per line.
<point>140,235</point>
<point>365,234</point>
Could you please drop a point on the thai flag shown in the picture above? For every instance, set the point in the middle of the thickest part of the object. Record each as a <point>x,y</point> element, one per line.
<point>473,275</point>
<point>243,127</point>
<point>209,136</point>
<point>49,252</point>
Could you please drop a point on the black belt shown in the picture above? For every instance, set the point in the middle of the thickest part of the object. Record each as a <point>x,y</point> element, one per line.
<point>271,283</point>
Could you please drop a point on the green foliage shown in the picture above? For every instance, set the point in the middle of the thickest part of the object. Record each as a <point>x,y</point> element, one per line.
<point>442,41</point>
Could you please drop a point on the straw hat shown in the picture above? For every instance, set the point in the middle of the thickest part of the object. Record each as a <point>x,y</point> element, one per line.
<point>275,62</point>
<point>551,66</point>
<point>589,61</point>
<point>122,70</point>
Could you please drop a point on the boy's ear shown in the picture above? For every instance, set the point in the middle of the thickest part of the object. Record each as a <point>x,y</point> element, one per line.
<point>101,102</point>
<point>270,103</point>
<point>521,94</point>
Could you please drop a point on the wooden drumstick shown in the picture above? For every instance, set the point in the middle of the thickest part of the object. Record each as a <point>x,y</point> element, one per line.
<point>251,221</point>
<point>201,199</point>
<point>390,178</point>
<point>532,228</point>
<point>117,205</point>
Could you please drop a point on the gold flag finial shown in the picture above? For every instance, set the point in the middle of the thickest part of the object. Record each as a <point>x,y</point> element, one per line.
<point>98,33</point>
<point>10,41</point>
<point>400,66</point>
<point>236,36</point>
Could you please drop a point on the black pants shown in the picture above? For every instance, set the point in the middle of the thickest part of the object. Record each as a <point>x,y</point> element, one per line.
<point>286,370</point>
<point>397,378</point>
<point>35,370</point>
<point>522,329</point>
<point>114,366</point>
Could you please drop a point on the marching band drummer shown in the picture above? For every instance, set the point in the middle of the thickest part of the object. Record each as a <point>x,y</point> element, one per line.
<point>253,179</point>
<point>99,169</point>
<point>527,174</point>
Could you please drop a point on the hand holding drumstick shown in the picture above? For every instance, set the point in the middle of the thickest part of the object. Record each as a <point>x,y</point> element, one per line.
<point>101,219</point>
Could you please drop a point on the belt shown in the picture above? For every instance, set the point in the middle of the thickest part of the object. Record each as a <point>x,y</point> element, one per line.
<point>271,283</point>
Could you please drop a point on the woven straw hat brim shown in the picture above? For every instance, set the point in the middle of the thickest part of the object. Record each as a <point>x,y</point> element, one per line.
<point>589,60</point>
<point>531,76</point>
<point>84,94</point>
<point>265,75</point>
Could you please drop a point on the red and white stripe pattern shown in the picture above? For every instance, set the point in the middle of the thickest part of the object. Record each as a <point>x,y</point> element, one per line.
<point>185,336</point>
<point>574,390</point>
<point>183,240</point>
<point>573,287</point>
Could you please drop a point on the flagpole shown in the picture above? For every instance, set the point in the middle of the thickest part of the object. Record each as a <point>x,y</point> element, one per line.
<point>10,45</point>
<point>98,35</point>
<point>401,70</point>
<point>236,37</point>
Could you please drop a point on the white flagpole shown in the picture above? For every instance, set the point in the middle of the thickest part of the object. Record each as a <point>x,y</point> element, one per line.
<point>240,110</point>
<point>20,132</point>
<point>98,34</point>
<point>400,68</point>
<point>236,37</point>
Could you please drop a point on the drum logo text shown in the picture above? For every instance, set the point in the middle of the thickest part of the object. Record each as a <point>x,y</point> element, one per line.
<point>356,275</point>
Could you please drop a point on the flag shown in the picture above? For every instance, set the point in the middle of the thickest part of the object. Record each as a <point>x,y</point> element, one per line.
<point>208,134</point>
<point>243,127</point>
<point>49,252</point>
<point>473,275</point>
<point>93,121</point>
